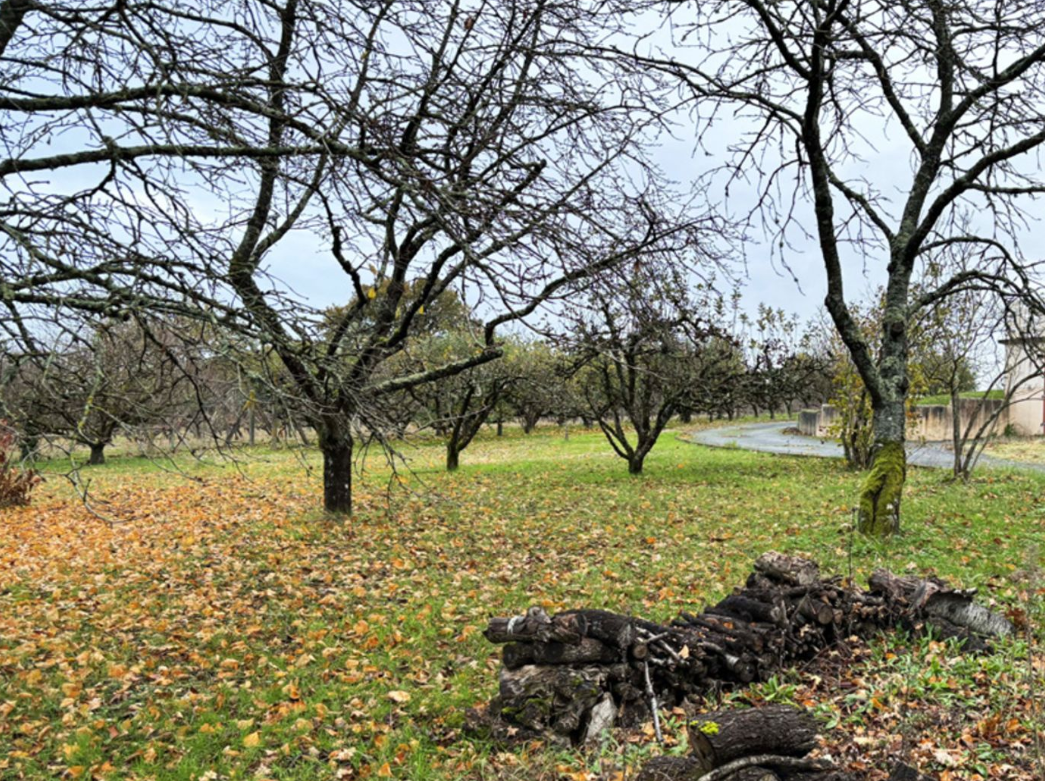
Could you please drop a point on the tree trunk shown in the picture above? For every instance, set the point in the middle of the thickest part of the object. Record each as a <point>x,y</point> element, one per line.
<point>960,472</point>
<point>453,457</point>
<point>635,463</point>
<point>252,425</point>
<point>97,454</point>
<point>879,514</point>
<point>500,427</point>
<point>29,447</point>
<point>337,473</point>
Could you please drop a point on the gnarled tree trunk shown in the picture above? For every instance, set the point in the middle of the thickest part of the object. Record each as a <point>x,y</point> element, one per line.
<point>97,454</point>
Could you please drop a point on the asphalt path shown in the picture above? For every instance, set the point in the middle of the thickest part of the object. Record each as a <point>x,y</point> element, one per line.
<point>773,437</point>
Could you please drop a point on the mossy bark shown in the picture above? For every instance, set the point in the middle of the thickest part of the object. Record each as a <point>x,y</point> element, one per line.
<point>882,491</point>
<point>879,509</point>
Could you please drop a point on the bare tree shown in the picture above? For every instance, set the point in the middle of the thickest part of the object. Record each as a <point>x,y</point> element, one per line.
<point>638,339</point>
<point>120,379</point>
<point>457,407</point>
<point>957,87</point>
<point>421,147</point>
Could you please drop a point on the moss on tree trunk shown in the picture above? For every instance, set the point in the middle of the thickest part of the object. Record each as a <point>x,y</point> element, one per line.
<point>882,490</point>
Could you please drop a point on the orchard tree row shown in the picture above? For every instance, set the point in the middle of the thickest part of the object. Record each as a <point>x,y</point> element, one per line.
<point>173,166</point>
<point>626,361</point>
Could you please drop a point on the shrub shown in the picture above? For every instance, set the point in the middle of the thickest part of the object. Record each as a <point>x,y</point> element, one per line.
<point>16,483</point>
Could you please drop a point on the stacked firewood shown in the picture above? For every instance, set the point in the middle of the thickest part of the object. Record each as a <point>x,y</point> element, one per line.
<point>771,743</point>
<point>753,744</point>
<point>574,674</point>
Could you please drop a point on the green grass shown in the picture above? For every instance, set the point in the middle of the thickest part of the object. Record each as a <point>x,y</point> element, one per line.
<point>943,399</point>
<point>218,622</point>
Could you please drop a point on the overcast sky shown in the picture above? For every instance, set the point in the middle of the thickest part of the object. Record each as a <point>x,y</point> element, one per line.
<point>303,264</point>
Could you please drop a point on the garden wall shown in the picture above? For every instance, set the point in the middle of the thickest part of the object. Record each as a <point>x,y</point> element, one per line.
<point>932,422</point>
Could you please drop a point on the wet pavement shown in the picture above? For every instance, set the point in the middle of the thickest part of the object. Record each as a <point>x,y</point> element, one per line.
<point>773,437</point>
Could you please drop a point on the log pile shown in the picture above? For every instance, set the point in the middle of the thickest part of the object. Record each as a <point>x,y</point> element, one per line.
<point>757,744</point>
<point>569,676</point>
<point>770,743</point>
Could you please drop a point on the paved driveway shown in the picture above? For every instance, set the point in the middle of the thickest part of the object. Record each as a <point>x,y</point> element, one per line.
<point>772,438</point>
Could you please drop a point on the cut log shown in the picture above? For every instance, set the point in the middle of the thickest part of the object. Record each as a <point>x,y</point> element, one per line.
<point>587,651</point>
<point>556,698</point>
<point>750,609</point>
<point>933,598</point>
<point>718,738</point>
<point>966,613</point>
<point>788,569</point>
<point>516,655</point>
<point>601,719</point>
<point>536,626</point>
<point>614,630</point>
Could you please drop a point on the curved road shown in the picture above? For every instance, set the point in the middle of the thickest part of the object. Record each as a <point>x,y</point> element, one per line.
<point>772,438</point>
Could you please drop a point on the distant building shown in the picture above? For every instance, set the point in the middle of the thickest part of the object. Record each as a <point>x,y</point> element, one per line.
<point>1025,380</point>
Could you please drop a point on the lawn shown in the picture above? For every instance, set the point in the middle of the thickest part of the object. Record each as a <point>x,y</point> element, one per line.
<point>1030,450</point>
<point>207,622</point>
<point>943,399</point>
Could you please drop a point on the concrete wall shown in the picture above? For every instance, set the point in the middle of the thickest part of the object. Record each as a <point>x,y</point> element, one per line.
<point>829,419</point>
<point>931,423</point>
<point>809,421</point>
<point>1025,416</point>
<point>1027,413</point>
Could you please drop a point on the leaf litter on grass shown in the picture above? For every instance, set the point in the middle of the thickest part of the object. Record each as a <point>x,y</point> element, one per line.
<point>223,629</point>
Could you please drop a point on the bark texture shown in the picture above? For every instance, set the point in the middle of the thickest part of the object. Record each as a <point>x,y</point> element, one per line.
<point>337,474</point>
<point>879,514</point>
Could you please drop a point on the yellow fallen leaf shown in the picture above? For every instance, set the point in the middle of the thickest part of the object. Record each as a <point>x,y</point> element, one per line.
<point>252,740</point>
<point>398,696</point>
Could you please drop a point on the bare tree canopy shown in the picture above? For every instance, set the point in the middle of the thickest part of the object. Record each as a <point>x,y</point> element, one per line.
<point>898,129</point>
<point>640,340</point>
<point>170,156</point>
